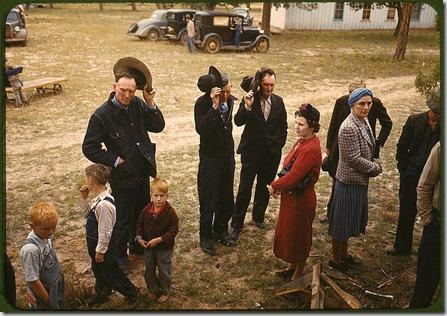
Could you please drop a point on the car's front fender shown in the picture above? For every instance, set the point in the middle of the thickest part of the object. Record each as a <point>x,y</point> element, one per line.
<point>202,44</point>
<point>258,38</point>
<point>144,31</point>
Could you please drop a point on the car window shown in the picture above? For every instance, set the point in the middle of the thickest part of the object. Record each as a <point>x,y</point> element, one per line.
<point>12,17</point>
<point>220,21</point>
<point>171,16</point>
<point>158,15</point>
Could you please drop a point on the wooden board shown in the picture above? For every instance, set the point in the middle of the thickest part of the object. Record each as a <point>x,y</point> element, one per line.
<point>299,284</point>
<point>348,298</point>
<point>38,83</point>
<point>316,300</point>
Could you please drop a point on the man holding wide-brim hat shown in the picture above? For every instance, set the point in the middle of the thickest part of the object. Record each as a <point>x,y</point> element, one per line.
<point>121,124</point>
<point>213,121</point>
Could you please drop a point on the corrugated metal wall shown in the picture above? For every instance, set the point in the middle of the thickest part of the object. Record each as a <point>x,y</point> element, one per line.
<point>322,18</point>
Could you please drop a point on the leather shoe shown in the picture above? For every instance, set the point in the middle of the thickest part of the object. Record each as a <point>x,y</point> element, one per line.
<point>234,235</point>
<point>285,274</point>
<point>208,246</point>
<point>350,260</point>
<point>342,267</point>
<point>260,225</point>
<point>393,252</point>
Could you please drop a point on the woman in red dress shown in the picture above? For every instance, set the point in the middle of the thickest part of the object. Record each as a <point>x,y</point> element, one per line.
<point>293,235</point>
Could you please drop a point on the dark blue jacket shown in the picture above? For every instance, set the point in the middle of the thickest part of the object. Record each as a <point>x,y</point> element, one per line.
<point>125,134</point>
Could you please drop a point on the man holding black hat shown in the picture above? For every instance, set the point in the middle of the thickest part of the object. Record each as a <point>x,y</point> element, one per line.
<point>419,134</point>
<point>213,120</point>
<point>264,115</point>
<point>121,124</point>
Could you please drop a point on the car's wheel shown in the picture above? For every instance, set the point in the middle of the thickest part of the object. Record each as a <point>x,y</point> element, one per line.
<point>183,37</point>
<point>153,35</point>
<point>262,45</point>
<point>212,45</point>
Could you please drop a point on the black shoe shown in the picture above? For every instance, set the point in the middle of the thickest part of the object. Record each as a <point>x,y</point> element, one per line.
<point>285,274</point>
<point>260,225</point>
<point>132,299</point>
<point>208,246</point>
<point>96,300</point>
<point>342,267</point>
<point>350,260</point>
<point>234,235</point>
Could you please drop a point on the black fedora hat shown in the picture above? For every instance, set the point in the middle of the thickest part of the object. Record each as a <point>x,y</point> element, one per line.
<point>137,69</point>
<point>211,80</point>
<point>251,83</point>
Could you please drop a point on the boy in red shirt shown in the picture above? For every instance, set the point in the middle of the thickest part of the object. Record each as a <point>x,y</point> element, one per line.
<point>156,231</point>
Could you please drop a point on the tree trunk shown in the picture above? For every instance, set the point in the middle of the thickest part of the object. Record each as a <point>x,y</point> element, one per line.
<point>266,12</point>
<point>402,38</point>
<point>101,6</point>
<point>134,6</point>
<point>399,19</point>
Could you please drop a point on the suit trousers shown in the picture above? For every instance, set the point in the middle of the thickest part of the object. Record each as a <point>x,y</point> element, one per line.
<point>161,259</point>
<point>108,275</point>
<point>429,265</point>
<point>407,211</point>
<point>129,204</point>
<point>215,185</point>
<point>263,166</point>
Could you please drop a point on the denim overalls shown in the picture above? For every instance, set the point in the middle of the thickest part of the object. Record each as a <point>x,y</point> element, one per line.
<point>52,278</point>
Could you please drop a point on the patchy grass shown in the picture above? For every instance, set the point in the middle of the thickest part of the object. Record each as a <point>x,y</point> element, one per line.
<point>44,158</point>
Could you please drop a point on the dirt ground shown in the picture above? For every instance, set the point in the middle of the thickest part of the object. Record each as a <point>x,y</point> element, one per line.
<point>44,159</point>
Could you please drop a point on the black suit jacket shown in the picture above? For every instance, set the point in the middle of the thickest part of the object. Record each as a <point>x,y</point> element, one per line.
<point>341,112</point>
<point>258,134</point>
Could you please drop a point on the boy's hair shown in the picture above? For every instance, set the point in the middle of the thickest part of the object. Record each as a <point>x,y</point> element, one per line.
<point>43,213</point>
<point>160,185</point>
<point>99,173</point>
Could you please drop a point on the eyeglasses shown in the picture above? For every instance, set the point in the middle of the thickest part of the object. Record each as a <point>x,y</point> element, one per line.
<point>363,103</point>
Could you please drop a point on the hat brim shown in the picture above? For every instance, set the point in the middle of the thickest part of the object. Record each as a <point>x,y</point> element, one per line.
<point>215,76</point>
<point>137,69</point>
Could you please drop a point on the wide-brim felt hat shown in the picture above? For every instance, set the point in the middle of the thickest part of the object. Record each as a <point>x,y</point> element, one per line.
<point>434,101</point>
<point>137,69</point>
<point>211,80</point>
<point>250,83</point>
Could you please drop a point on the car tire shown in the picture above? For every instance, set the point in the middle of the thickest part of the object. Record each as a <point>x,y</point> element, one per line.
<point>262,45</point>
<point>183,38</point>
<point>152,35</point>
<point>212,45</point>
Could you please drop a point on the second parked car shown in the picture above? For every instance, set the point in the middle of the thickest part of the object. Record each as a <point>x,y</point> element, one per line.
<point>177,24</point>
<point>216,30</point>
<point>15,28</point>
<point>152,28</point>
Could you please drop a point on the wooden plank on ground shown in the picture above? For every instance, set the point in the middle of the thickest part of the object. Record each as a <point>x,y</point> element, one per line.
<point>315,299</point>
<point>348,298</point>
<point>335,274</point>
<point>299,284</point>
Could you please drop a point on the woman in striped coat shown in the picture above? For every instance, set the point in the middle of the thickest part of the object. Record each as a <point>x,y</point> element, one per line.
<point>349,212</point>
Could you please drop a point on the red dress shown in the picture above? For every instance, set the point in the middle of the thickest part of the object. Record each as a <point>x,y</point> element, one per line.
<point>293,235</point>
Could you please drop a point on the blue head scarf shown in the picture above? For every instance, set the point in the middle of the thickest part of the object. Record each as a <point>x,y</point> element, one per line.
<point>357,94</point>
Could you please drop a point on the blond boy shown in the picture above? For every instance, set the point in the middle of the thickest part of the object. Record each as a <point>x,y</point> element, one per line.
<point>43,273</point>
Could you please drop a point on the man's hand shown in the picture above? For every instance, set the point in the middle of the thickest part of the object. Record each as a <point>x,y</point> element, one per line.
<point>84,192</point>
<point>149,96</point>
<point>274,193</point>
<point>143,243</point>
<point>214,94</point>
<point>99,257</point>
<point>154,242</point>
<point>248,99</point>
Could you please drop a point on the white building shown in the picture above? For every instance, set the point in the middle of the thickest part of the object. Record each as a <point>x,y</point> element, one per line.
<point>339,16</point>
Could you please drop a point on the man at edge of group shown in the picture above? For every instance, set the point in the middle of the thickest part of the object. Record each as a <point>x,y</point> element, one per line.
<point>213,115</point>
<point>419,134</point>
<point>339,114</point>
<point>265,118</point>
<point>122,124</point>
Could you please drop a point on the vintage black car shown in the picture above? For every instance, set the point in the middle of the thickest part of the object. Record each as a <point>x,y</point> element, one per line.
<point>15,28</point>
<point>177,24</point>
<point>248,19</point>
<point>216,30</point>
<point>152,28</point>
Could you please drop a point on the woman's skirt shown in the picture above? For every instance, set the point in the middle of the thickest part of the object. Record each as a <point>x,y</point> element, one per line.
<point>349,212</point>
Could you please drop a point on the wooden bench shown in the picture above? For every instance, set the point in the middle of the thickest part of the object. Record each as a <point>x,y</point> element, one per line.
<point>42,86</point>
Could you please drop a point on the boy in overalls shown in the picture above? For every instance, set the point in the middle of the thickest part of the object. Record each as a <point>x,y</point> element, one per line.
<point>101,239</point>
<point>43,272</point>
<point>12,73</point>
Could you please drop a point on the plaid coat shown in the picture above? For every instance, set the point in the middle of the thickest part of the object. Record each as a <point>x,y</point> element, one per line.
<point>356,144</point>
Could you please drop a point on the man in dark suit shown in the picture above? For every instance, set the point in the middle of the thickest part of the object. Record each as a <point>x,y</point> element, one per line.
<point>264,115</point>
<point>340,113</point>
<point>213,114</point>
<point>117,136</point>
<point>419,134</point>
